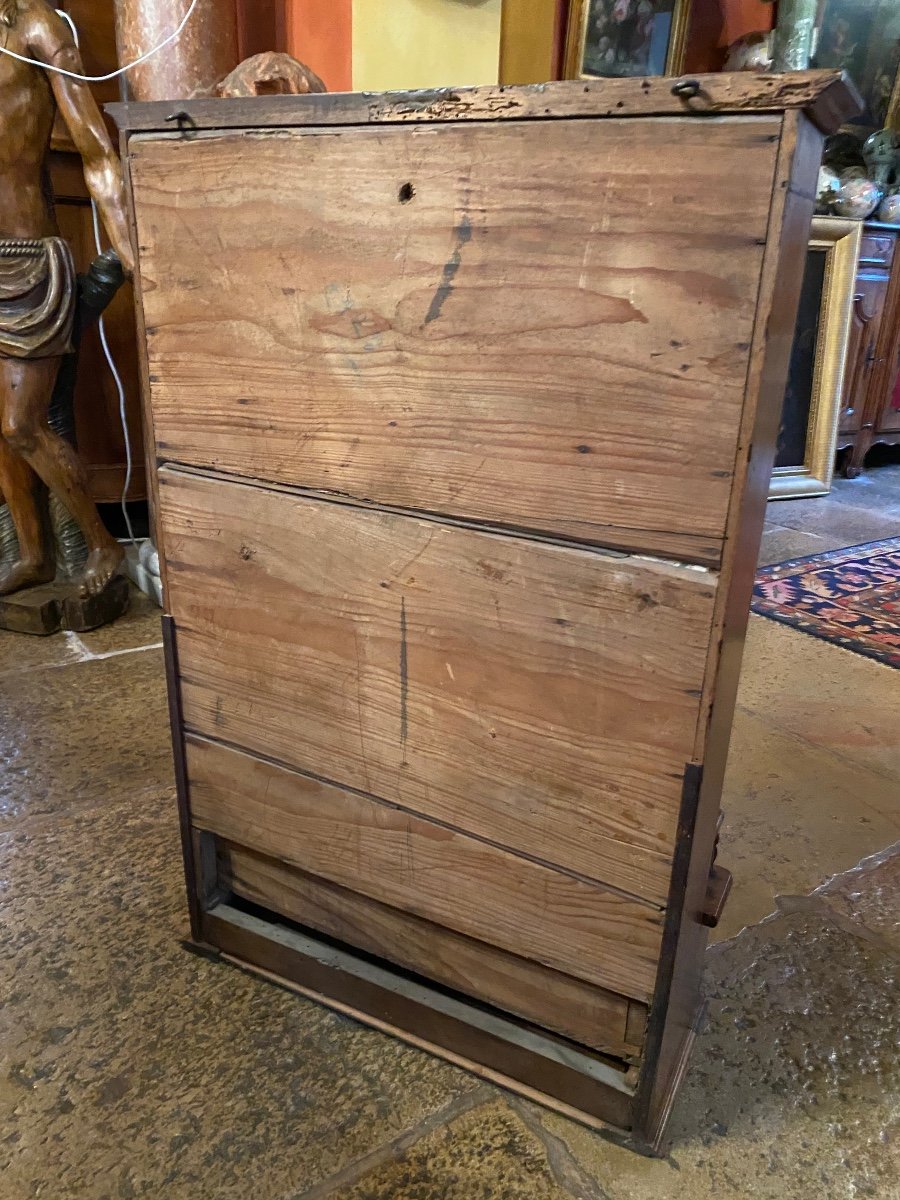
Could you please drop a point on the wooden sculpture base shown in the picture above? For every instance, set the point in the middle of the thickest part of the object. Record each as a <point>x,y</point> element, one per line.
<point>51,607</point>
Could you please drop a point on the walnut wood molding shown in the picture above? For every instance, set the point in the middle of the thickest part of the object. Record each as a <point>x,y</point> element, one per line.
<point>828,98</point>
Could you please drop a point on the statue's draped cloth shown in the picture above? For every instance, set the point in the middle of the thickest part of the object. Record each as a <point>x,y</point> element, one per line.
<point>37,297</point>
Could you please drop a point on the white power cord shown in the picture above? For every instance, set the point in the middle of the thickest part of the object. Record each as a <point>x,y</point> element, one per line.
<point>114,371</point>
<point>117,379</point>
<point>113,74</point>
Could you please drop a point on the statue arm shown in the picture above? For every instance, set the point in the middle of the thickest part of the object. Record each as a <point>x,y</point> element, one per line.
<point>51,42</point>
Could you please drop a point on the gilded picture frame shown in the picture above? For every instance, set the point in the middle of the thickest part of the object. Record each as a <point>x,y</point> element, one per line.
<point>818,360</point>
<point>590,54</point>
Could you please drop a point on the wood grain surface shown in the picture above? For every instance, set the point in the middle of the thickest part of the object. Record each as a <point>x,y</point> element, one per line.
<point>405,861</point>
<point>542,697</point>
<point>828,97</point>
<point>553,335</point>
<point>593,1016</point>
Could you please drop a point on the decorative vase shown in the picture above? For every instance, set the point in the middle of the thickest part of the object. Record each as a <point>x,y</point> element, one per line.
<point>858,198</point>
<point>889,209</point>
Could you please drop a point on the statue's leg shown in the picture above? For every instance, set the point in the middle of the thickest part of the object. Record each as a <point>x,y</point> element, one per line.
<point>26,386</point>
<point>18,485</point>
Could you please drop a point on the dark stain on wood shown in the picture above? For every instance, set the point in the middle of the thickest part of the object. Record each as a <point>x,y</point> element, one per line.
<point>404,681</point>
<point>445,287</point>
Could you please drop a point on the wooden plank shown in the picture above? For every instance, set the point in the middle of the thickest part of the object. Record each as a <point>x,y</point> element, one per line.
<point>567,1006</point>
<point>829,97</point>
<point>554,337</point>
<point>434,873</point>
<point>147,418</point>
<point>678,998</point>
<point>537,696</point>
<point>424,1020</point>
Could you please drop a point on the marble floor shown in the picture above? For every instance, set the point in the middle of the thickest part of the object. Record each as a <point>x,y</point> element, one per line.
<point>132,1068</point>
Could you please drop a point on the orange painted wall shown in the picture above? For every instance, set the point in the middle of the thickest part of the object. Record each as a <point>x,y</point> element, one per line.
<point>715,24</point>
<point>319,33</point>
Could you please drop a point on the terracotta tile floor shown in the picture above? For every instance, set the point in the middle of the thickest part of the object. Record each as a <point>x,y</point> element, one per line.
<point>131,1068</point>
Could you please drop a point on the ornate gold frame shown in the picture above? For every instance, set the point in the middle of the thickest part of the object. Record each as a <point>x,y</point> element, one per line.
<point>578,11</point>
<point>840,238</point>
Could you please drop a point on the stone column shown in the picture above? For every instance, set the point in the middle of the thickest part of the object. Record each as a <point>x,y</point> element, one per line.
<point>205,51</point>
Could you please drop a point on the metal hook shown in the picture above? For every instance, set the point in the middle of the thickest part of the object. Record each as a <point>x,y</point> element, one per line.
<point>686,89</point>
<point>184,120</point>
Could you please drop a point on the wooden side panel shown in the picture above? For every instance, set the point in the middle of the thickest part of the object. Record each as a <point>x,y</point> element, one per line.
<point>404,861</point>
<point>567,1006</point>
<point>541,697</point>
<point>678,996</point>
<point>544,325</point>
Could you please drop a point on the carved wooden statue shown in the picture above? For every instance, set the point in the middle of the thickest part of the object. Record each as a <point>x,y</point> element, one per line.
<point>270,74</point>
<point>37,285</point>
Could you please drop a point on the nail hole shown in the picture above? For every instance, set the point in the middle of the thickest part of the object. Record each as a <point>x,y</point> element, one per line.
<point>406,193</point>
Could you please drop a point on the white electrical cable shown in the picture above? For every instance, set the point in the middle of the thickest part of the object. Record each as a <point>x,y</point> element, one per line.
<point>117,379</point>
<point>114,371</point>
<point>113,74</point>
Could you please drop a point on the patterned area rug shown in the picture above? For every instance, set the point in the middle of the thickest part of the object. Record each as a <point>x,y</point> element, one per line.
<point>851,597</point>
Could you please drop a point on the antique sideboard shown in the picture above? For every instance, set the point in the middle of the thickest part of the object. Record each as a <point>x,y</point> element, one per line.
<point>870,408</point>
<point>463,408</point>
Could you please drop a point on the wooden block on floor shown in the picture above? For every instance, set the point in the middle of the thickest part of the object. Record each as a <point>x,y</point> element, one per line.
<point>81,613</point>
<point>52,607</point>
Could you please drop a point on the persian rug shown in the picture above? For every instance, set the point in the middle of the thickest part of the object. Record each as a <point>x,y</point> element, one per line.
<point>850,597</point>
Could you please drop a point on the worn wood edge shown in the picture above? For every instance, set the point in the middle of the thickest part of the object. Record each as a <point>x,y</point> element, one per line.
<point>176,723</point>
<point>147,424</point>
<point>686,568</point>
<point>643,1117</point>
<point>651,1140</point>
<point>560,1087</point>
<point>780,281</point>
<point>828,96</point>
<point>791,217</point>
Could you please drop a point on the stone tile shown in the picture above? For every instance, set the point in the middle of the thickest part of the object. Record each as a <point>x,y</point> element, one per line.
<point>483,1154</point>
<point>778,545</point>
<point>794,816</point>
<point>830,517</point>
<point>877,489</point>
<point>140,626</point>
<point>869,896</point>
<point>828,696</point>
<point>83,732</point>
<point>792,1091</point>
<point>24,652</point>
<point>132,1068</point>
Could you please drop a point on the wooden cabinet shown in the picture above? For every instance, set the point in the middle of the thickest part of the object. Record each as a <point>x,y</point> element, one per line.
<point>464,407</point>
<point>870,411</point>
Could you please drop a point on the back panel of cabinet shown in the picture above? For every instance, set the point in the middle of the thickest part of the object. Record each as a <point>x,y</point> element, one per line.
<point>548,328</point>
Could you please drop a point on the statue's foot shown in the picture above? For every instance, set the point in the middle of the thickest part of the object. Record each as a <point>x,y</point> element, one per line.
<point>102,564</point>
<point>25,574</point>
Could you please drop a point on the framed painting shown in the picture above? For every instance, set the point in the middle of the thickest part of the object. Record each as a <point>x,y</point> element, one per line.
<point>807,436</point>
<point>626,37</point>
<point>862,37</point>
